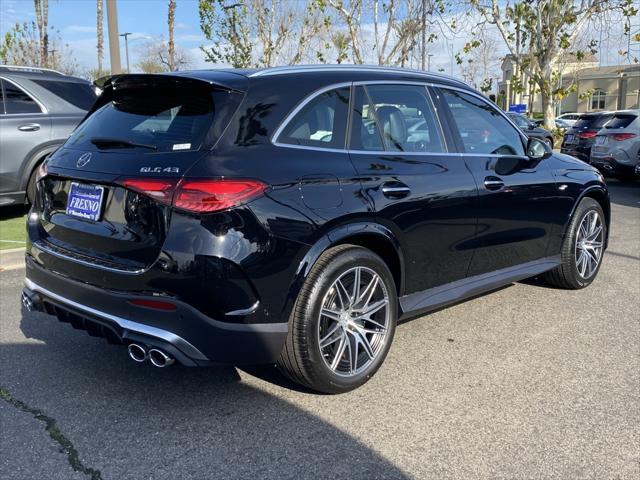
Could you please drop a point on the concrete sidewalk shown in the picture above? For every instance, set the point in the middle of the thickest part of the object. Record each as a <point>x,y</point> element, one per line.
<point>11,259</point>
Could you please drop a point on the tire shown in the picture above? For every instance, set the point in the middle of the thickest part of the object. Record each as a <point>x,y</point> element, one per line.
<point>573,273</point>
<point>31,186</point>
<point>311,349</point>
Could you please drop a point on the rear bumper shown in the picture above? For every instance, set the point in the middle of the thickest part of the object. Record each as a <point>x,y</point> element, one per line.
<point>577,151</point>
<point>610,165</point>
<point>193,338</point>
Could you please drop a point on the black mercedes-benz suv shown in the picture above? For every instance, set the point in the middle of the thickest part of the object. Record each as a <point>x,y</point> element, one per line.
<point>294,215</point>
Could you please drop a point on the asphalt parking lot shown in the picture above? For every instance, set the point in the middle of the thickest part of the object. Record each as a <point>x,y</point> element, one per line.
<point>527,382</point>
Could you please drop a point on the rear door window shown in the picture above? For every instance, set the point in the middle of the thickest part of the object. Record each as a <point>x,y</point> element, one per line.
<point>78,94</point>
<point>483,129</point>
<point>165,118</point>
<point>321,123</point>
<point>398,118</point>
<point>17,100</point>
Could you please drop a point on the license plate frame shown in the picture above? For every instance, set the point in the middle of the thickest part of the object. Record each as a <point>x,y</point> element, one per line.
<point>601,140</point>
<point>85,201</point>
<point>569,139</point>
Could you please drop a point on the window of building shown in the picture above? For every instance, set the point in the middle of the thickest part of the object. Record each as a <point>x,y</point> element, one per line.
<point>598,100</point>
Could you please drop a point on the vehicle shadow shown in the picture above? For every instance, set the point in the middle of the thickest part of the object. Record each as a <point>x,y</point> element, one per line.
<point>624,193</point>
<point>134,421</point>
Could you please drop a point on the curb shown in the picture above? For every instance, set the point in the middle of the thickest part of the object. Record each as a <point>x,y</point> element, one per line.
<point>11,259</point>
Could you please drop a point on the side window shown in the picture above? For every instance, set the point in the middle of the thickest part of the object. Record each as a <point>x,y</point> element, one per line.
<point>17,100</point>
<point>482,128</point>
<point>321,123</point>
<point>401,114</point>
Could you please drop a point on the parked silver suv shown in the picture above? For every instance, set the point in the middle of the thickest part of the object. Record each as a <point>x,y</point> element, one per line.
<point>617,143</point>
<point>39,108</point>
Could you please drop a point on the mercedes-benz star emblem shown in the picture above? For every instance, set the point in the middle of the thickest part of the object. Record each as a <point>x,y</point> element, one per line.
<point>83,160</point>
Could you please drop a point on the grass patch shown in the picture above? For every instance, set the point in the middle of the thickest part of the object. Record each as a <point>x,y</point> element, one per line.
<point>12,228</point>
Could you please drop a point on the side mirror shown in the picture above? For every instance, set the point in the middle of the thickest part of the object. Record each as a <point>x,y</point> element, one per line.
<point>538,150</point>
<point>532,125</point>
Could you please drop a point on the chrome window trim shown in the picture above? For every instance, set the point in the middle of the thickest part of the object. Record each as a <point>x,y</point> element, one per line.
<point>43,109</point>
<point>177,341</point>
<point>283,124</point>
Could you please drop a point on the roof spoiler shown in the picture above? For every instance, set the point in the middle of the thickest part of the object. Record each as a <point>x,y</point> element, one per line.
<point>121,80</point>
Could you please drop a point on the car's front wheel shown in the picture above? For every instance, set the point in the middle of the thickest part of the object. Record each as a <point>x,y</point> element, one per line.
<point>582,248</point>
<point>343,321</point>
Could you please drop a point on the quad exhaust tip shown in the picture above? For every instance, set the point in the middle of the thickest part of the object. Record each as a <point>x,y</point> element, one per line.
<point>27,302</point>
<point>160,359</point>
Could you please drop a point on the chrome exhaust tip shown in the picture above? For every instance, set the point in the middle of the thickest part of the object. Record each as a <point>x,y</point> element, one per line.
<point>138,353</point>
<point>27,302</point>
<point>160,359</point>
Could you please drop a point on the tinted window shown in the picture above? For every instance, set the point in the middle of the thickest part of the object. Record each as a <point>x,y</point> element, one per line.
<point>520,120</point>
<point>321,123</point>
<point>482,128</point>
<point>401,114</point>
<point>17,100</point>
<point>620,121</point>
<point>591,122</point>
<point>78,94</point>
<point>171,119</point>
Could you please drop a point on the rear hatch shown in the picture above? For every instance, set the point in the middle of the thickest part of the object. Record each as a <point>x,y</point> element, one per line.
<point>585,129</point>
<point>144,133</point>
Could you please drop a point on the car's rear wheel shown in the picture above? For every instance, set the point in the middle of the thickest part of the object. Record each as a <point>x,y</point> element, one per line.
<point>343,322</point>
<point>582,248</point>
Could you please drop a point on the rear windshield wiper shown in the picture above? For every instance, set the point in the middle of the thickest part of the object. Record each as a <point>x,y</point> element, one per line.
<point>118,143</point>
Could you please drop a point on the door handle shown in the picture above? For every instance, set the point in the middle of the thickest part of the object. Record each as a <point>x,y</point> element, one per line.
<point>29,127</point>
<point>493,183</point>
<point>395,190</point>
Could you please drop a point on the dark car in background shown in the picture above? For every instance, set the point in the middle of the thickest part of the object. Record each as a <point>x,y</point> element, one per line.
<point>531,128</point>
<point>39,108</point>
<point>293,215</point>
<point>579,139</point>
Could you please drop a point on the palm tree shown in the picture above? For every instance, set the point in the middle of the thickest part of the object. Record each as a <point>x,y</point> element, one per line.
<point>100,46</point>
<point>42,20</point>
<point>172,46</point>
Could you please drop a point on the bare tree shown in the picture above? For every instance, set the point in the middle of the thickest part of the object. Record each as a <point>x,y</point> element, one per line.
<point>538,32</point>
<point>99,32</point>
<point>171,19</point>
<point>154,58</point>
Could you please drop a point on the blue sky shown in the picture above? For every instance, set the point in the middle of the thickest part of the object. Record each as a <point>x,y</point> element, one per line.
<point>76,20</point>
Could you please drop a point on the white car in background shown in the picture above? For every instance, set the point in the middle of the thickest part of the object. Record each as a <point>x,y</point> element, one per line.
<point>568,118</point>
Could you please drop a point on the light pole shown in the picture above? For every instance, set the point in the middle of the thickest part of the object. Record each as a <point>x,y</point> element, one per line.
<point>429,62</point>
<point>126,47</point>
<point>114,44</point>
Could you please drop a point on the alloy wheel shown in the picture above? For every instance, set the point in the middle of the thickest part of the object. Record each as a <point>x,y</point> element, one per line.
<point>354,321</point>
<point>589,243</point>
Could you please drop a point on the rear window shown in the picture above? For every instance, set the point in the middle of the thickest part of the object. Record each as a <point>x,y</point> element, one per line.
<point>166,118</point>
<point>591,122</point>
<point>78,94</point>
<point>620,121</point>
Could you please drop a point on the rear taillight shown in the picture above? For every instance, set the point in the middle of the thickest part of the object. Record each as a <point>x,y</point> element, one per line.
<point>155,304</point>
<point>159,189</point>
<point>622,136</point>
<point>586,134</point>
<point>198,195</point>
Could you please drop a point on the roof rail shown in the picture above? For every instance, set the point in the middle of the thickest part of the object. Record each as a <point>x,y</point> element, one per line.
<point>21,68</point>
<point>346,67</point>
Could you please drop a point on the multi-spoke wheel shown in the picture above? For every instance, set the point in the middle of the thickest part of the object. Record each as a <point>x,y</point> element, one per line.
<point>582,249</point>
<point>353,321</point>
<point>589,243</point>
<point>343,321</point>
